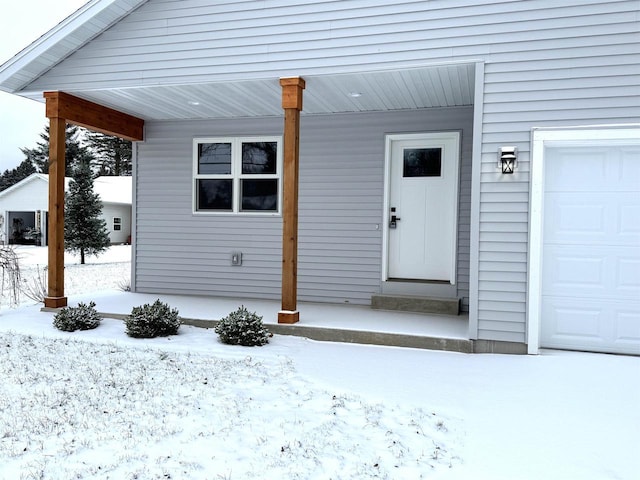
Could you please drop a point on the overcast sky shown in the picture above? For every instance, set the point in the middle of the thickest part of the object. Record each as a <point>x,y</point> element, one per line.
<point>21,23</point>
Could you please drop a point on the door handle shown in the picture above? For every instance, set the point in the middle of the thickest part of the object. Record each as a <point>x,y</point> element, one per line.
<point>393,223</point>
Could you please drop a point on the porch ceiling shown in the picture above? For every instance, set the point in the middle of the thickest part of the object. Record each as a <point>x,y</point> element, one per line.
<point>424,87</point>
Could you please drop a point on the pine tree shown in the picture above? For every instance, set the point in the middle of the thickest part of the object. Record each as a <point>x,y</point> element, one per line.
<point>13,176</point>
<point>113,154</point>
<point>75,152</point>
<point>84,229</point>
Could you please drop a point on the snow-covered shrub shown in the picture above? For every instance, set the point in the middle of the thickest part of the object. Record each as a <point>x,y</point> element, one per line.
<point>82,317</point>
<point>242,328</point>
<point>152,320</point>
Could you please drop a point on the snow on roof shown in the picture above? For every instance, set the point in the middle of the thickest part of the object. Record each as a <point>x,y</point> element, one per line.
<point>113,189</point>
<point>110,189</point>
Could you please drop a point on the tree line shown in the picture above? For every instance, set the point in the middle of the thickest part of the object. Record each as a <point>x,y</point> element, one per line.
<point>104,154</point>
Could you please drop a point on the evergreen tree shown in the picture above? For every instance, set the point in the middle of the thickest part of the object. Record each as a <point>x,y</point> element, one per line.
<point>84,230</point>
<point>13,176</point>
<point>113,154</point>
<point>75,152</point>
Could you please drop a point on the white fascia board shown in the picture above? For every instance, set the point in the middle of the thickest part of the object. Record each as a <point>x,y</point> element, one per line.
<point>15,65</point>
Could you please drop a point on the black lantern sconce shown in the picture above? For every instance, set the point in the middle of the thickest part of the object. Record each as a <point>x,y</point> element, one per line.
<point>507,159</point>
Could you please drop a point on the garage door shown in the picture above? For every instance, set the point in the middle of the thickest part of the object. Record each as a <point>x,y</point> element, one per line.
<point>590,282</point>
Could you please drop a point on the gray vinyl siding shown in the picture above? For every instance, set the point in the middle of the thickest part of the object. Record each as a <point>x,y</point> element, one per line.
<point>546,63</point>
<point>169,42</point>
<point>340,210</point>
<point>590,75</point>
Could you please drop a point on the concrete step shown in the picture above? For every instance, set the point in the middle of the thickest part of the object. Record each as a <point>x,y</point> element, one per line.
<point>443,306</point>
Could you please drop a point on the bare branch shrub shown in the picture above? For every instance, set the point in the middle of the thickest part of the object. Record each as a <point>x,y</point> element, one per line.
<point>10,274</point>
<point>124,285</point>
<point>36,287</point>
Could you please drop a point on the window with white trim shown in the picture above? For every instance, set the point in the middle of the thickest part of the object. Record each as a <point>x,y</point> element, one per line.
<point>237,175</point>
<point>117,223</point>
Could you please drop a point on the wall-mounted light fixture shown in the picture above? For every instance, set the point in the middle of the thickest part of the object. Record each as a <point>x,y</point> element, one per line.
<point>507,158</point>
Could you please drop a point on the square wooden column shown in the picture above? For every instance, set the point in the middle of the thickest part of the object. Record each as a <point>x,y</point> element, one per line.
<point>60,109</point>
<point>55,295</point>
<point>292,105</point>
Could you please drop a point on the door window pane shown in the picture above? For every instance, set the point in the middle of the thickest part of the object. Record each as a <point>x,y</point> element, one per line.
<point>215,194</point>
<point>214,158</point>
<point>422,162</point>
<point>259,157</point>
<point>260,195</point>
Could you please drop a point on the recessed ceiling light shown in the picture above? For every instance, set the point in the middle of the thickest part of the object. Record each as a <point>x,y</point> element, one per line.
<point>193,102</point>
<point>355,94</point>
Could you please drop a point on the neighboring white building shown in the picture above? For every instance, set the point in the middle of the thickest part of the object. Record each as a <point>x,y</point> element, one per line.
<point>24,215</point>
<point>115,193</point>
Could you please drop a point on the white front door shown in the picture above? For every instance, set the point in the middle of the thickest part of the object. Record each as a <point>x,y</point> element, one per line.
<point>422,206</point>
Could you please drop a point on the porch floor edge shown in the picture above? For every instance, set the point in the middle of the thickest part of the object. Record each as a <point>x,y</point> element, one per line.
<point>364,337</point>
<point>340,335</point>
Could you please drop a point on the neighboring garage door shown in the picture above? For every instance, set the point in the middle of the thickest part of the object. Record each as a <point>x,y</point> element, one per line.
<point>590,281</point>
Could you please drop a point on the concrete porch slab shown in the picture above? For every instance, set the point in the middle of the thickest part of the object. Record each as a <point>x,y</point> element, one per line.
<point>323,322</point>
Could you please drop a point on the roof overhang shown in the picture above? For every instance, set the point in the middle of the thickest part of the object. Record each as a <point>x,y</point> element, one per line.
<point>409,88</point>
<point>61,41</point>
<point>357,89</point>
<point>431,86</point>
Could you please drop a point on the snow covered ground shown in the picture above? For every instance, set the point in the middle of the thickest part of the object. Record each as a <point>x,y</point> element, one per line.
<point>111,270</point>
<point>98,404</point>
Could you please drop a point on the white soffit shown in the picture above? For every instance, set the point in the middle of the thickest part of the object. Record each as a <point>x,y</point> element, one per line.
<point>449,85</point>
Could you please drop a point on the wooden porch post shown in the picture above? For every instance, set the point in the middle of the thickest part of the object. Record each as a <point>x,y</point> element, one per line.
<point>60,109</point>
<point>292,105</point>
<point>55,295</point>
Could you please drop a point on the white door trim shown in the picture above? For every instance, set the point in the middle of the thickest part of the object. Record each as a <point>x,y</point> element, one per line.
<point>541,138</point>
<point>387,195</point>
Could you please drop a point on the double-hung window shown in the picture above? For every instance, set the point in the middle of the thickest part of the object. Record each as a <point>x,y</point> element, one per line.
<point>237,175</point>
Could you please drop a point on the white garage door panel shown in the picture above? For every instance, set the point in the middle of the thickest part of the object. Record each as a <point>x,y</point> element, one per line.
<point>592,218</point>
<point>629,172</point>
<point>628,276</point>
<point>629,217</point>
<point>591,325</point>
<point>592,169</point>
<point>590,289</point>
<point>584,271</point>
<point>627,328</point>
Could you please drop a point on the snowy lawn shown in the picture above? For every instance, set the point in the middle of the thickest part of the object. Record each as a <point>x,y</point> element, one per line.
<point>111,270</point>
<point>72,409</point>
<point>98,404</point>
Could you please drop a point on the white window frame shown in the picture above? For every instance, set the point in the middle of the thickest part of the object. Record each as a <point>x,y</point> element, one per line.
<point>117,223</point>
<point>236,175</point>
